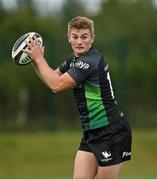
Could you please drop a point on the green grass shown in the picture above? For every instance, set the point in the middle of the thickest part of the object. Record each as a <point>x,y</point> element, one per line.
<point>51,155</point>
<point>144,156</point>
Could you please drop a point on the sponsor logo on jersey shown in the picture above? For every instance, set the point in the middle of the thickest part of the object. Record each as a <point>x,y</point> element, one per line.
<point>79,64</point>
<point>107,156</point>
<point>72,64</point>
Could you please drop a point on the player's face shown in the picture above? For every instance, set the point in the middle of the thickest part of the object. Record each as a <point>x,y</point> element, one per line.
<point>81,40</point>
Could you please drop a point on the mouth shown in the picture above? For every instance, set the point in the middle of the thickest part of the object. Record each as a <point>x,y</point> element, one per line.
<point>79,47</point>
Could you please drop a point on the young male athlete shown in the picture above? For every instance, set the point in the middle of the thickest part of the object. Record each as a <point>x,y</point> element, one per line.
<point>106,141</point>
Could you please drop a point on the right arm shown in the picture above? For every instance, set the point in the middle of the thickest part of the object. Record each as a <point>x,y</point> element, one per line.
<point>54,79</point>
<point>38,72</point>
<point>58,72</point>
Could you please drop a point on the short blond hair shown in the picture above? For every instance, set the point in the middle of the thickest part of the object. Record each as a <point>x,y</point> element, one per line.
<point>80,22</point>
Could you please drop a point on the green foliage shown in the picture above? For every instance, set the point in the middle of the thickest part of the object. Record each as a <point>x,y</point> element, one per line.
<point>70,9</point>
<point>135,23</point>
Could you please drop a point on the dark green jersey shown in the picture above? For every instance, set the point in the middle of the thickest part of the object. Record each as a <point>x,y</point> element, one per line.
<point>93,93</point>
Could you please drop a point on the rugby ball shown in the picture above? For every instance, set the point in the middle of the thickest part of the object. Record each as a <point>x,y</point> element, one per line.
<point>20,57</point>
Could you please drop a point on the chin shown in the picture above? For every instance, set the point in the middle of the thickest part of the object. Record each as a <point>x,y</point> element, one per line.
<point>80,52</point>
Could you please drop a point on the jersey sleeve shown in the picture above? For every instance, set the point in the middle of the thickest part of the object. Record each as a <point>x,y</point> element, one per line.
<point>64,67</point>
<point>83,67</point>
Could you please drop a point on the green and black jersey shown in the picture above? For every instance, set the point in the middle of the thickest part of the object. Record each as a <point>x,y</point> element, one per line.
<point>93,94</point>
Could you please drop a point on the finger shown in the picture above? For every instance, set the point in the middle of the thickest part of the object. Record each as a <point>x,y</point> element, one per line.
<point>31,40</point>
<point>36,41</point>
<point>30,43</point>
<point>27,50</point>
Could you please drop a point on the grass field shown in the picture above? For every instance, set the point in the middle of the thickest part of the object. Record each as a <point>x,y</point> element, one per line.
<point>51,155</point>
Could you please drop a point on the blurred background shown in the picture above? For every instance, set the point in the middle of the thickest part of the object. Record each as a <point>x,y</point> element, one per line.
<point>39,130</point>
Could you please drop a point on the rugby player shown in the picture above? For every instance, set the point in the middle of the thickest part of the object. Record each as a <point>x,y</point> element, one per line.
<point>106,141</point>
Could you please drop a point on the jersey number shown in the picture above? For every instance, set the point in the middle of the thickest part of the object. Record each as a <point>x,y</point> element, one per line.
<point>111,88</point>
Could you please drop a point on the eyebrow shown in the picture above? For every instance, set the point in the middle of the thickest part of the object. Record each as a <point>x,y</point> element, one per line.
<point>81,34</point>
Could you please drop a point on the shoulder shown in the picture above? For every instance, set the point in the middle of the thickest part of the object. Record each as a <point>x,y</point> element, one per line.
<point>93,57</point>
<point>70,58</point>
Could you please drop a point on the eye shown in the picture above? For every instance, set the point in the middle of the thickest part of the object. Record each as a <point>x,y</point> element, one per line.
<point>74,37</point>
<point>84,37</point>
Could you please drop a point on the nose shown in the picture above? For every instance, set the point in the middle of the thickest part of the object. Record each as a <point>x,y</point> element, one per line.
<point>79,41</point>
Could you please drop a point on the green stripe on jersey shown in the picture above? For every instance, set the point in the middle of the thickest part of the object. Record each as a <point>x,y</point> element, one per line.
<point>95,105</point>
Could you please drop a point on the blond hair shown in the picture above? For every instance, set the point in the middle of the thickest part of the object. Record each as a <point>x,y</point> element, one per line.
<point>80,22</point>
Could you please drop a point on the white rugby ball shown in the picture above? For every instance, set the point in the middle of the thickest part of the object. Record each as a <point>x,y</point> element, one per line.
<point>20,57</point>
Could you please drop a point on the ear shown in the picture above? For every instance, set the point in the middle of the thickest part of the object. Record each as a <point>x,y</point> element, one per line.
<point>93,38</point>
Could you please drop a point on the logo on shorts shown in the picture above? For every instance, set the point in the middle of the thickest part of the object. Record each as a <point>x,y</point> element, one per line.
<point>125,154</point>
<point>107,156</point>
